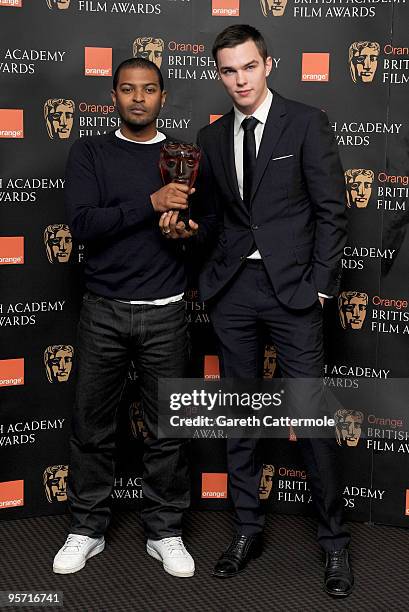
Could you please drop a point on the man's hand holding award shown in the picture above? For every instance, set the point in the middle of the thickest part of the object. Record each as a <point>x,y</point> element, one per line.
<point>179,165</point>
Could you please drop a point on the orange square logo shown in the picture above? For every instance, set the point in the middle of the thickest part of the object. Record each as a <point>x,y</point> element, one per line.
<point>11,372</point>
<point>211,367</point>
<point>315,67</point>
<point>11,123</point>
<point>98,61</point>
<point>407,503</point>
<point>11,250</point>
<point>13,3</point>
<point>11,494</point>
<point>214,118</point>
<point>214,486</point>
<point>225,8</point>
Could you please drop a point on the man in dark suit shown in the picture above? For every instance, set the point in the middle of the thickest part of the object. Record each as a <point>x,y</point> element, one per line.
<point>273,190</point>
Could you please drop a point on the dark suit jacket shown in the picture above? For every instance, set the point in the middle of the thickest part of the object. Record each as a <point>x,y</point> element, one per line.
<point>297,217</point>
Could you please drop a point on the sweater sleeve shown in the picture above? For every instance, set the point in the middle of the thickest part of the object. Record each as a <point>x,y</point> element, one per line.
<point>89,219</point>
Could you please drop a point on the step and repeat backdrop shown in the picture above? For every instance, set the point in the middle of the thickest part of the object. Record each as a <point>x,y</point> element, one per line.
<point>57,57</point>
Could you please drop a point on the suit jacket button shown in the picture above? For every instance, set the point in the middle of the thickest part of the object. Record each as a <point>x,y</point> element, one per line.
<point>254,227</point>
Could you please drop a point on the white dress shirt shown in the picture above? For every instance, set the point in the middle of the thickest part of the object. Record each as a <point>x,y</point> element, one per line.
<point>261,114</point>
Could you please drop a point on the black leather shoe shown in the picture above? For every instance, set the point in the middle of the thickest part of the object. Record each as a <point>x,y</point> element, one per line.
<point>339,579</point>
<point>234,560</point>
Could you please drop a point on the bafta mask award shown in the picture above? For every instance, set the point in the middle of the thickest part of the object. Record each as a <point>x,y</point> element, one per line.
<point>179,163</point>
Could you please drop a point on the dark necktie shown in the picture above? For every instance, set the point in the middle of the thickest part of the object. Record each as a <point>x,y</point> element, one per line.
<point>249,156</point>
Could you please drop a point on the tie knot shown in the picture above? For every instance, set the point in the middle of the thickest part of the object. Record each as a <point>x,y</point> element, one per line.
<point>249,123</point>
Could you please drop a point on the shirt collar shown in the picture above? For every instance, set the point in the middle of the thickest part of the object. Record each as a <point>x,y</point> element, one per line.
<point>261,113</point>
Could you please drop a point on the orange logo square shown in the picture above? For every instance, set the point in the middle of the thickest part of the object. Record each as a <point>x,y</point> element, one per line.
<point>315,67</point>
<point>11,494</point>
<point>14,3</point>
<point>214,118</point>
<point>11,372</point>
<point>211,367</point>
<point>11,123</point>
<point>98,61</point>
<point>407,503</point>
<point>11,250</point>
<point>214,486</point>
<point>225,8</point>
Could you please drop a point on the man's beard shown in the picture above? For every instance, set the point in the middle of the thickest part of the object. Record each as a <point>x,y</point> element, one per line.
<point>136,124</point>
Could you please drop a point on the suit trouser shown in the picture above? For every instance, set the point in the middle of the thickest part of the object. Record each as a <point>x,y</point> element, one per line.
<point>111,334</point>
<point>237,314</point>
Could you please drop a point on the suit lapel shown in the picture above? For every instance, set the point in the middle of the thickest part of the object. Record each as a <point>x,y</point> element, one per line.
<point>227,149</point>
<point>272,132</point>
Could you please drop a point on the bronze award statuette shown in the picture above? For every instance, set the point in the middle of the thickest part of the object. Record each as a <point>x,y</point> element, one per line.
<point>179,163</point>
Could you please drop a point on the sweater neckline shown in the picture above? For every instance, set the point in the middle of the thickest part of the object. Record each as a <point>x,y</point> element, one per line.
<point>133,146</point>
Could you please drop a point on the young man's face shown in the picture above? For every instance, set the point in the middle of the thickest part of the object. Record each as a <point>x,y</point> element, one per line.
<point>243,72</point>
<point>138,97</point>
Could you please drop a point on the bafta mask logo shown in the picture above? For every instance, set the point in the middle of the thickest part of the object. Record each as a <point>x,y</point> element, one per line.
<point>352,307</point>
<point>58,4</point>
<point>348,426</point>
<point>58,243</point>
<point>149,48</point>
<point>58,362</point>
<point>59,117</point>
<point>270,361</point>
<point>363,61</point>
<point>359,187</point>
<point>179,162</point>
<point>55,483</point>
<point>138,429</point>
<point>273,8</point>
<point>266,481</point>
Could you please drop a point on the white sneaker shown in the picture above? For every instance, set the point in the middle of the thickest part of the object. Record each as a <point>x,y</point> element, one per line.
<point>174,556</point>
<point>75,552</point>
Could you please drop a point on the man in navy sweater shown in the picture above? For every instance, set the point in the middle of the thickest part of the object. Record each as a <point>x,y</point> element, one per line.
<point>133,309</point>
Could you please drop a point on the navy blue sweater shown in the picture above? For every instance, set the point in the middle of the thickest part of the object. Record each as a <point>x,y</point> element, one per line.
<point>107,193</point>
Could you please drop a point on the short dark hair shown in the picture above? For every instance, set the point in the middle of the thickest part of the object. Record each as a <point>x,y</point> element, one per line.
<point>236,35</point>
<point>138,62</point>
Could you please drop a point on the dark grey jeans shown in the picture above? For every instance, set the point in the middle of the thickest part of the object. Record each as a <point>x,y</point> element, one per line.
<point>110,335</point>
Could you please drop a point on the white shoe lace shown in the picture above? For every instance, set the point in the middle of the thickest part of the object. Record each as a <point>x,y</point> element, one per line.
<point>175,546</point>
<point>74,542</point>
